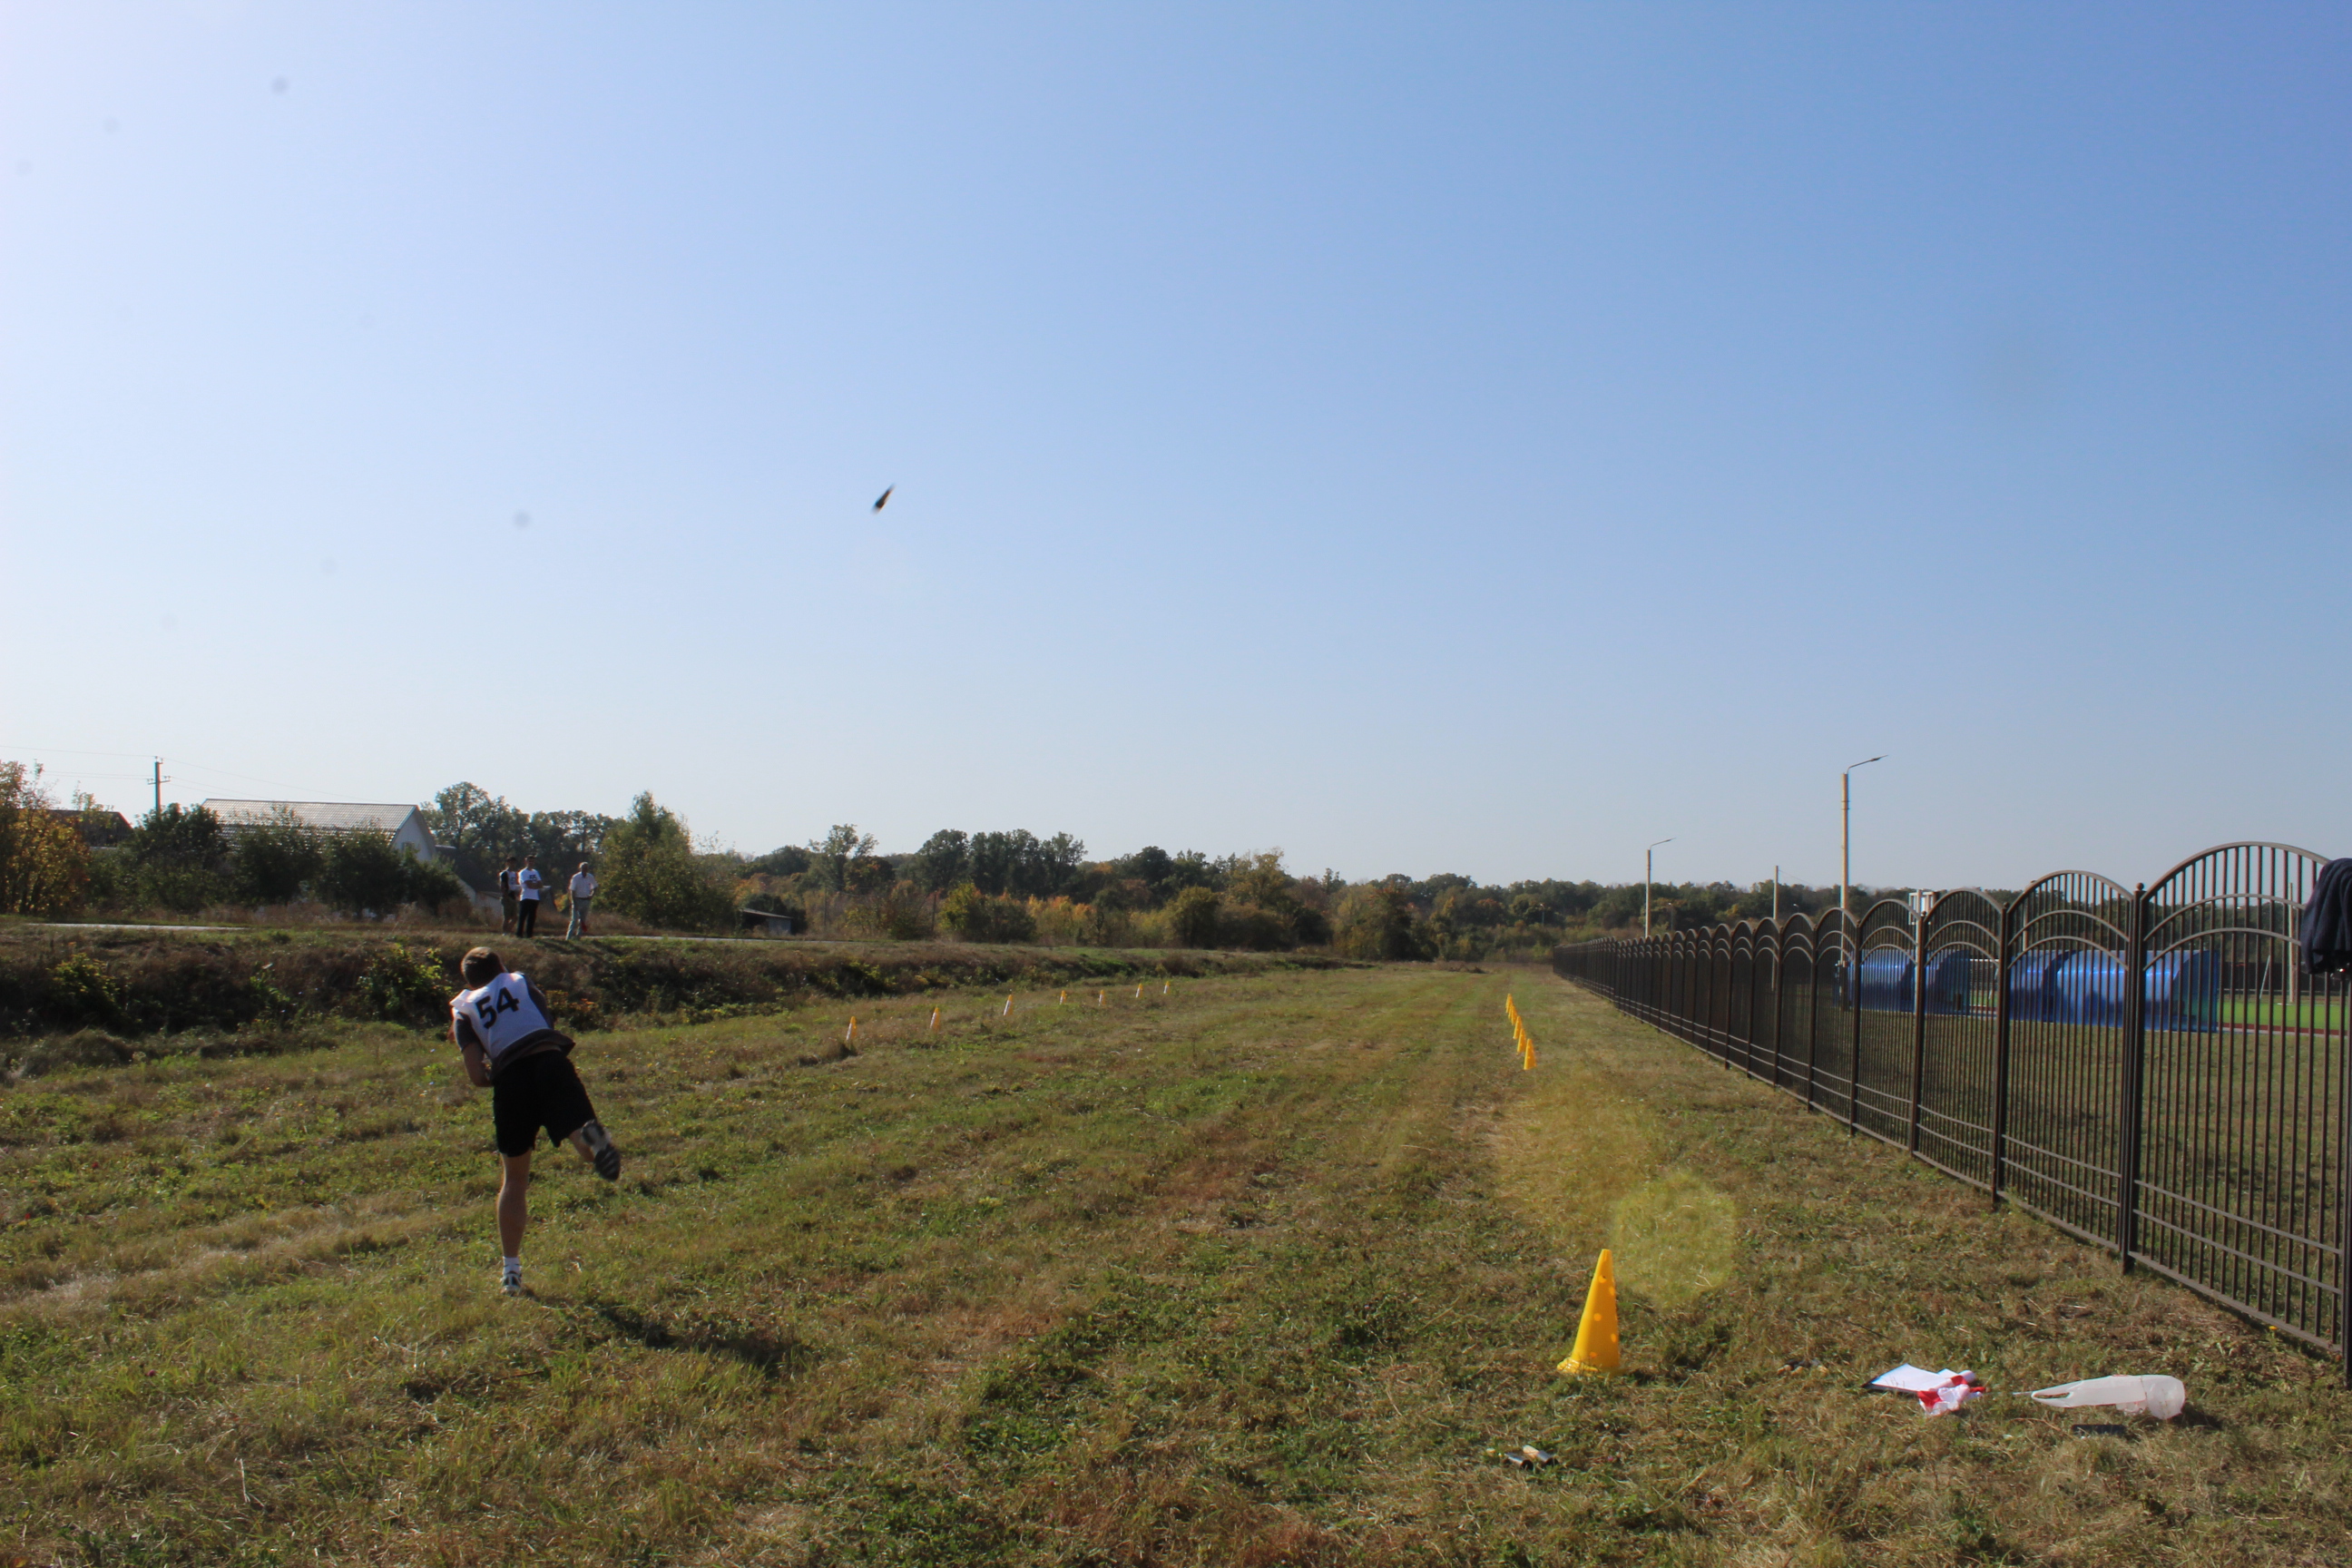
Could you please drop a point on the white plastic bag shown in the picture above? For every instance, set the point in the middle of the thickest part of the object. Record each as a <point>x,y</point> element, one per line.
<point>2161,1397</point>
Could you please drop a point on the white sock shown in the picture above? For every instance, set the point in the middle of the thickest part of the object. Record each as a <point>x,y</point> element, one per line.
<point>514,1266</point>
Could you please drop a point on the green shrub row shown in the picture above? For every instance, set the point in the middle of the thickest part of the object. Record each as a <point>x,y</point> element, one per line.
<point>131,983</point>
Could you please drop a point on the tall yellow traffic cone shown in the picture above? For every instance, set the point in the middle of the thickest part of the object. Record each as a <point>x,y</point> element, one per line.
<point>1596,1336</point>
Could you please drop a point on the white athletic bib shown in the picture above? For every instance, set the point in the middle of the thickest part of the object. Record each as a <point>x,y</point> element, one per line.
<point>502,1013</point>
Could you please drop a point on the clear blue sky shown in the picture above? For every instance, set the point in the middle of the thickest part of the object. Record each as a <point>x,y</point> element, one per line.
<point>1439,438</point>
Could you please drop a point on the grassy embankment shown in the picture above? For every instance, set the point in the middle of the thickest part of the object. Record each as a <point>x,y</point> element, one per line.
<point>1255,1273</point>
<point>216,992</point>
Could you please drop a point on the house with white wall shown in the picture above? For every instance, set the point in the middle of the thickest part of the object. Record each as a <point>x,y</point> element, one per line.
<point>403,824</point>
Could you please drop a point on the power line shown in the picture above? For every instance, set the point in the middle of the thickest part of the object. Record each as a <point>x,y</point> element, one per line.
<point>37,752</point>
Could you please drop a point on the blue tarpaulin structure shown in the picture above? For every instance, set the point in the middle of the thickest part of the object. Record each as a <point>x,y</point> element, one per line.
<point>2032,989</point>
<point>1949,978</point>
<point>1886,982</point>
<point>2091,988</point>
<point>2182,989</point>
<point>2184,992</point>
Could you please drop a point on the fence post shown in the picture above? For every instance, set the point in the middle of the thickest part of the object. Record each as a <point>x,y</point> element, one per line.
<point>2344,1208</point>
<point>2133,1091</point>
<point>1918,1024</point>
<point>1812,1015</point>
<point>2000,1046</point>
<point>1747,1045</point>
<point>1724,988</point>
<point>1849,986</point>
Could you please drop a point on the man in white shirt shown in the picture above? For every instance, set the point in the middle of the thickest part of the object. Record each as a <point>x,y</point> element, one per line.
<point>529,885</point>
<point>582,888</point>
<point>511,1047</point>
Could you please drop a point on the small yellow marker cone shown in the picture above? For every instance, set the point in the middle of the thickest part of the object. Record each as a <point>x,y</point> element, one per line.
<point>1008,1007</point>
<point>935,1019</point>
<point>1065,1001</point>
<point>852,1032</point>
<point>1138,993</point>
<point>1099,999</point>
<point>1596,1336</point>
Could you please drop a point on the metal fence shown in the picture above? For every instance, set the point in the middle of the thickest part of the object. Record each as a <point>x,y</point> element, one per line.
<point>2149,1068</point>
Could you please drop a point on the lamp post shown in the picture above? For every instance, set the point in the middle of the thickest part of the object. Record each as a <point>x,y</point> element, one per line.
<point>1645,885</point>
<point>1845,840</point>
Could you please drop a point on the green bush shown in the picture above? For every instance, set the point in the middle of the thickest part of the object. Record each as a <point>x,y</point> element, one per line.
<point>971,915</point>
<point>44,867</point>
<point>651,873</point>
<point>273,1005</point>
<point>1192,917</point>
<point>182,860</point>
<point>112,878</point>
<point>903,914</point>
<point>431,885</point>
<point>81,989</point>
<point>1377,922</point>
<point>400,985</point>
<point>277,859</point>
<point>1248,926</point>
<point>363,873</point>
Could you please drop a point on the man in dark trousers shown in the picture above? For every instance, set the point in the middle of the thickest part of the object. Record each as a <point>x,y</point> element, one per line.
<point>500,1022</point>
<point>509,905</point>
<point>528,889</point>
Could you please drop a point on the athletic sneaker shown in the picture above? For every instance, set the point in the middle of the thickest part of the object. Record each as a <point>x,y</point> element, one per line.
<point>601,1150</point>
<point>511,1281</point>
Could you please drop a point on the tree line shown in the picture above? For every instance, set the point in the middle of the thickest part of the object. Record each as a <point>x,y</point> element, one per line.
<point>1002,885</point>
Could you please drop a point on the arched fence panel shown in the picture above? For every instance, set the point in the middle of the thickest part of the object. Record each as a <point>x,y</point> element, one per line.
<point>2070,936</point>
<point>2152,1069</point>
<point>1792,1002</point>
<point>1833,1014</point>
<point>1961,945</point>
<point>2241,1152</point>
<point>1885,983</point>
<point>1739,996</point>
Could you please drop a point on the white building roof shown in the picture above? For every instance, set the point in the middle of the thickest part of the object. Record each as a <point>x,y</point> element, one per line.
<point>327,816</point>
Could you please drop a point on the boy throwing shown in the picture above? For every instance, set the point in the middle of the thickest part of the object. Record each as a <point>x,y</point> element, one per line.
<point>500,1023</point>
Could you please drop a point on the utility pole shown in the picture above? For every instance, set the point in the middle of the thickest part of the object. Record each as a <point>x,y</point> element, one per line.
<point>1645,885</point>
<point>1845,838</point>
<point>159,786</point>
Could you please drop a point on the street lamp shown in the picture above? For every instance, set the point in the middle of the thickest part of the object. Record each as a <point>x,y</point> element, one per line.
<point>1645,885</point>
<point>1845,838</point>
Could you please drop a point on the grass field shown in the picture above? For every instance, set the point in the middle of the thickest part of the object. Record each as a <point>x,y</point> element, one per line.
<point>2319,1013</point>
<point>1259,1272</point>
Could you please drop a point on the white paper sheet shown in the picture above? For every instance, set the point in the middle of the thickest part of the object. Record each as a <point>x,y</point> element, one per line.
<point>1911,1379</point>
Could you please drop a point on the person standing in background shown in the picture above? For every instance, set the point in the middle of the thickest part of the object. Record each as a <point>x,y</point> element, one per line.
<point>582,888</point>
<point>509,905</point>
<point>527,888</point>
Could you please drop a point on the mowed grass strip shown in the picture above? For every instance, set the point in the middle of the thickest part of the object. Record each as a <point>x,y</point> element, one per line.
<point>1260,1271</point>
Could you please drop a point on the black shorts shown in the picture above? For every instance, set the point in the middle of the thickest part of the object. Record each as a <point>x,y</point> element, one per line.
<point>537,1091</point>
